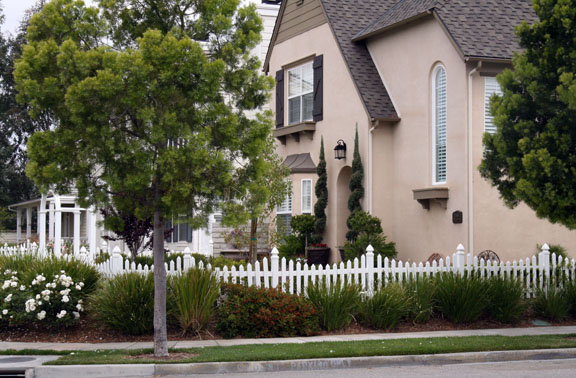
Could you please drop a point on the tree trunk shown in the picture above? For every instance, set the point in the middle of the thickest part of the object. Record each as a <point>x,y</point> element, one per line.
<point>160,333</point>
<point>253,240</point>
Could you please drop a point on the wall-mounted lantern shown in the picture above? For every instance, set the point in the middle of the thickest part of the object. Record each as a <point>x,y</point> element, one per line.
<point>340,150</point>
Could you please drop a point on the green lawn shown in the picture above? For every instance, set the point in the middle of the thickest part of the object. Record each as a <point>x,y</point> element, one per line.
<point>323,349</point>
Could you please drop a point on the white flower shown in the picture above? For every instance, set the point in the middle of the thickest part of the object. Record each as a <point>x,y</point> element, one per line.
<point>30,305</point>
<point>76,315</point>
<point>61,314</point>
<point>8,271</point>
<point>81,284</point>
<point>80,301</point>
<point>8,298</point>
<point>37,296</point>
<point>78,287</point>
<point>65,299</point>
<point>6,285</point>
<point>4,312</point>
<point>65,292</point>
<point>79,307</point>
<point>39,303</point>
<point>13,283</point>
<point>22,287</point>
<point>41,315</point>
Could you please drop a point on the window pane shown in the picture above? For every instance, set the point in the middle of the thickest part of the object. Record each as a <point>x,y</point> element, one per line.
<point>283,224</point>
<point>440,124</point>
<point>168,226</point>
<point>491,86</point>
<point>307,78</point>
<point>307,107</point>
<point>294,81</point>
<point>307,196</point>
<point>294,110</point>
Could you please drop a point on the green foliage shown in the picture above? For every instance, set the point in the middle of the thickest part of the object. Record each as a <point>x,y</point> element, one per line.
<point>356,188</point>
<point>551,303</point>
<point>258,312</point>
<point>336,303</point>
<point>102,257</point>
<point>386,308</point>
<point>303,225</point>
<point>570,293</point>
<point>368,231</point>
<point>125,303</point>
<point>505,299</point>
<point>193,296</point>
<point>321,191</point>
<point>460,299</point>
<point>530,159</point>
<point>221,262</point>
<point>420,292</point>
<point>291,246</point>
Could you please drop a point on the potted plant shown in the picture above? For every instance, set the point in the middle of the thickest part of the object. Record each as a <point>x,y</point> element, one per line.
<point>303,226</point>
<point>318,253</point>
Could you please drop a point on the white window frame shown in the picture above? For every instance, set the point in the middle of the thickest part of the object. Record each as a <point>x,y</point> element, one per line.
<point>435,126</point>
<point>307,210</point>
<point>285,208</point>
<point>491,86</point>
<point>300,94</point>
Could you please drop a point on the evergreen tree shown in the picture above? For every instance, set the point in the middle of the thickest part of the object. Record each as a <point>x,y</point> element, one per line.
<point>356,188</point>
<point>532,156</point>
<point>149,112</point>
<point>321,191</point>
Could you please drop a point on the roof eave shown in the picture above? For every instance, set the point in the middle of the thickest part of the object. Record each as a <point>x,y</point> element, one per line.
<point>477,58</point>
<point>360,37</point>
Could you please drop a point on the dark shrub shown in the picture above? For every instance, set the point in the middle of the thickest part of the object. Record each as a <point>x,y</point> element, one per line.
<point>258,312</point>
<point>551,303</point>
<point>420,293</point>
<point>460,299</point>
<point>125,303</point>
<point>385,308</point>
<point>336,304</point>
<point>505,299</point>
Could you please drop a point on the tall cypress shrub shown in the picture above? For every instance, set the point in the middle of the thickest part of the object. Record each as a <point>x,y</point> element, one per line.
<point>356,188</point>
<point>321,191</point>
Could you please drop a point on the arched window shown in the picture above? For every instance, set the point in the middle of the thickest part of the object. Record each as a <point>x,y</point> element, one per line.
<point>439,124</point>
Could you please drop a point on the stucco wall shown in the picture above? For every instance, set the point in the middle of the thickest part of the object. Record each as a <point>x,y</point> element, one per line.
<point>403,152</point>
<point>343,109</point>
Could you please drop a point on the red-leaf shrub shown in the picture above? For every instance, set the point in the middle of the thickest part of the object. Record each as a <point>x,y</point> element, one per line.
<point>258,312</point>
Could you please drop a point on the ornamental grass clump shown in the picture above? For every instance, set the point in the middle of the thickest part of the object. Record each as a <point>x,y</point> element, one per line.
<point>336,303</point>
<point>125,303</point>
<point>386,308</point>
<point>259,312</point>
<point>552,303</point>
<point>460,298</point>
<point>192,298</point>
<point>420,293</point>
<point>505,299</point>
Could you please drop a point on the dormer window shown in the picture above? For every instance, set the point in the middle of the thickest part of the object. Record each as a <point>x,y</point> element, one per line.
<point>300,93</point>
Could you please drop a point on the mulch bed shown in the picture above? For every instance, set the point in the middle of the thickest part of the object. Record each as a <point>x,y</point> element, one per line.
<point>88,331</point>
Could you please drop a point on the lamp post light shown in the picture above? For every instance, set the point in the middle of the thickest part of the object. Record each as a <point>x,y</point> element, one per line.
<point>340,150</point>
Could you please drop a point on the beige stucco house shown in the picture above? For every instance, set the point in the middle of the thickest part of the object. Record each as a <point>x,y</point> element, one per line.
<point>415,77</point>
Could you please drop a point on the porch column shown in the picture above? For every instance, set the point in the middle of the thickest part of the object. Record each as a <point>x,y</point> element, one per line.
<point>28,223</point>
<point>42,224</point>
<point>91,231</point>
<point>51,221</point>
<point>76,230</point>
<point>18,225</point>
<point>57,226</point>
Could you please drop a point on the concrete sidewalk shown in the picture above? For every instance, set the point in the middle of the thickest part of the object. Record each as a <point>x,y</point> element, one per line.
<point>532,331</point>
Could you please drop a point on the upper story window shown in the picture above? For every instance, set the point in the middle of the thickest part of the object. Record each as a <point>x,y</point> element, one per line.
<point>306,196</point>
<point>300,93</point>
<point>439,124</point>
<point>491,86</point>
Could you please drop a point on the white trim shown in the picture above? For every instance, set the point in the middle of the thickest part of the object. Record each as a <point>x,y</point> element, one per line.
<point>491,86</point>
<point>302,197</point>
<point>435,71</point>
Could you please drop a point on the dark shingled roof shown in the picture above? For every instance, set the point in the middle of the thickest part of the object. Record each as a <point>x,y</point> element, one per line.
<point>481,29</point>
<point>300,163</point>
<point>346,19</point>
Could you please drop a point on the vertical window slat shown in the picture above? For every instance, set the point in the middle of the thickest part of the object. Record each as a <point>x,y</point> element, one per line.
<point>491,86</point>
<point>440,110</point>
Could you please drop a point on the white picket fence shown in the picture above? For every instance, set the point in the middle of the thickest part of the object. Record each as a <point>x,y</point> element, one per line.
<point>369,271</point>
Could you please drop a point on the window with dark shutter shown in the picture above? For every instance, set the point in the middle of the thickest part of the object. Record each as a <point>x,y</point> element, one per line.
<point>318,88</point>
<point>280,98</point>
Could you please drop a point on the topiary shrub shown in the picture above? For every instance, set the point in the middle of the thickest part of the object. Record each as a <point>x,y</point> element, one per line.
<point>336,304</point>
<point>460,299</point>
<point>192,298</point>
<point>125,303</point>
<point>356,189</point>
<point>258,312</point>
<point>386,308</point>
<point>321,191</point>
<point>368,231</point>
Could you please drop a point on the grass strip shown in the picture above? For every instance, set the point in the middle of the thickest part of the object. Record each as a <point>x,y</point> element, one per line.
<point>269,352</point>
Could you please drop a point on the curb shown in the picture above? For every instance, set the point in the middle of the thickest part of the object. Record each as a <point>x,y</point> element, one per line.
<point>104,371</point>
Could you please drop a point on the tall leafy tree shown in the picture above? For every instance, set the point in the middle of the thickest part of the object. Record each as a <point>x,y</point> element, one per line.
<point>532,156</point>
<point>321,191</point>
<point>153,113</point>
<point>356,188</point>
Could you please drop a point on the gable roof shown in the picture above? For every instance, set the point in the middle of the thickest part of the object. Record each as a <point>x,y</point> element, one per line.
<point>480,29</point>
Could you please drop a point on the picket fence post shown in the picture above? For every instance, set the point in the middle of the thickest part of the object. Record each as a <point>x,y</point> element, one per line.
<point>370,269</point>
<point>459,259</point>
<point>274,263</point>
<point>187,259</point>
<point>544,265</point>
<point>117,261</point>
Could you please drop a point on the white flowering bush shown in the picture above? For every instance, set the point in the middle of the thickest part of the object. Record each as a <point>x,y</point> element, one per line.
<point>56,300</point>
